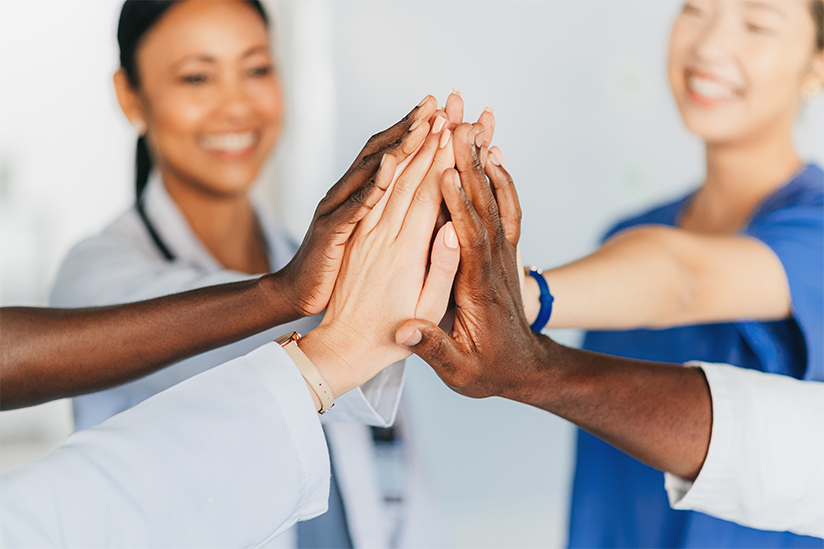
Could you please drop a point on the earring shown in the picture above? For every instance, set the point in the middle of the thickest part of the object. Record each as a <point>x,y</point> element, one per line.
<point>139,126</point>
<point>810,91</point>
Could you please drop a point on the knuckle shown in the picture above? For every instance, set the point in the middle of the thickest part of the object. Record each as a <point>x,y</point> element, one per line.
<point>480,240</point>
<point>425,195</point>
<point>373,139</point>
<point>490,209</point>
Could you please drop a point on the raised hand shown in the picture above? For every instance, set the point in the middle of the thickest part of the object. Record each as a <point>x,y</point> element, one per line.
<point>485,126</point>
<point>383,278</point>
<point>308,279</point>
<point>491,345</point>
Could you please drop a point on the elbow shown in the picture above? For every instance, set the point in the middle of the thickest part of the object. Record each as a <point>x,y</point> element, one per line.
<point>674,289</point>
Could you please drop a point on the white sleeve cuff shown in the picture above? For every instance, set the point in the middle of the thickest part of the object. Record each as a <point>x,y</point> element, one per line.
<point>373,403</point>
<point>696,495</point>
<point>764,464</point>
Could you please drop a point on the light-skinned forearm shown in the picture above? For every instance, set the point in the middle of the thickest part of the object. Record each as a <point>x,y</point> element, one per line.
<point>659,277</point>
<point>661,414</point>
<point>635,279</point>
<point>55,353</point>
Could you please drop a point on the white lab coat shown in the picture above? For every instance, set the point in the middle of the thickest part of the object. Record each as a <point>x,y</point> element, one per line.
<point>765,464</point>
<point>122,264</point>
<point>229,458</point>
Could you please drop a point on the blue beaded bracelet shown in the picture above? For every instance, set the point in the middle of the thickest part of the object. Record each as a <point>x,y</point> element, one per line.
<point>546,300</point>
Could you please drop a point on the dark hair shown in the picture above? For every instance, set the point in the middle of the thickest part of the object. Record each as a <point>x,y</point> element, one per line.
<point>137,17</point>
<point>817,10</point>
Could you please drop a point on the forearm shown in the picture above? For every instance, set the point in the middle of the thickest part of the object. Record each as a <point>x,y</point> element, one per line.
<point>637,279</point>
<point>660,414</point>
<point>658,277</point>
<point>55,353</point>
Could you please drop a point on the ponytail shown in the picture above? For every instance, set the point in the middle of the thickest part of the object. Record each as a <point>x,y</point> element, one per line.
<point>143,165</point>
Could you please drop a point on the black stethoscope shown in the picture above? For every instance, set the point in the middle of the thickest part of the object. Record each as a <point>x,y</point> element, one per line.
<point>161,246</point>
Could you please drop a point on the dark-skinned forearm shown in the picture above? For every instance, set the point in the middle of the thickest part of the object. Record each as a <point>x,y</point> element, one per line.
<point>53,353</point>
<point>661,414</point>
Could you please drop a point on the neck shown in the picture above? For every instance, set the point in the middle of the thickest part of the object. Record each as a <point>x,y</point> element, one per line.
<point>226,225</point>
<point>740,176</point>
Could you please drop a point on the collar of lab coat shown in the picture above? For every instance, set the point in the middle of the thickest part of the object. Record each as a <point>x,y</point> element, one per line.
<point>173,228</point>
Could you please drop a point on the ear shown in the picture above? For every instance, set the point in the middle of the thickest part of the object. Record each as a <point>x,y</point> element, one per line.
<point>129,101</point>
<point>817,70</point>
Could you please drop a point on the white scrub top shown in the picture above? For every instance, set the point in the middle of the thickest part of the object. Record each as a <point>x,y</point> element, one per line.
<point>765,464</point>
<point>230,458</point>
<point>123,264</point>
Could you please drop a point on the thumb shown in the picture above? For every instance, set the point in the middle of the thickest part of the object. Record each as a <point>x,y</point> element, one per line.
<point>429,342</point>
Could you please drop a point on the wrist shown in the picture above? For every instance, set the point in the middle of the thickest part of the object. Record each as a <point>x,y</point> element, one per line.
<point>531,298</point>
<point>538,381</point>
<point>335,360</point>
<point>279,298</point>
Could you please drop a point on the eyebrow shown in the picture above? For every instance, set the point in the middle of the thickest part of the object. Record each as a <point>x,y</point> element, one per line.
<point>764,6</point>
<point>211,59</point>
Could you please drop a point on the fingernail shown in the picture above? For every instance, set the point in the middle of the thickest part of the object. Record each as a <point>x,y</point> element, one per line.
<point>423,101</point>
<point>382,159</point>
<point>454,91</point>
<point>415,125</point>
<point>449,236</point>
<point>456,180</point>
<point>489,110</point>
<point>494,158</point>
<point>413,339</point>
<point>438,125</point>
<point>444,138</point>
<point>479,138</point>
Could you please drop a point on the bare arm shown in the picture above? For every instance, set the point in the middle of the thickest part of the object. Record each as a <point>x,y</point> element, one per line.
<point>51,353</point>
<point>656,276</point>
<point>54,353</point>
<point>658,413</point>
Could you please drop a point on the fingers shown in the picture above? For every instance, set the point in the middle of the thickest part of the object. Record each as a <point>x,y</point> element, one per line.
<point>487,120</point>
<point>509,208</point>
<point>454,108</point>
<point>437,349</point>
<point>497,156</point>
<point>407,183</point>
<point>466,140</point>
<point>472,235</point>
<point>423,212</point>
<point>443,267</point>
<point>360,207</point>
<point>400,140</point>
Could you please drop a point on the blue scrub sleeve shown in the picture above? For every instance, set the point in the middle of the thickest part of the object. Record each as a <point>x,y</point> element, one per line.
<point>796,236</point>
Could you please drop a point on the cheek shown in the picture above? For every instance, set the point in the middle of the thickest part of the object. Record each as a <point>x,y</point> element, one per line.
<point>775,81</point>
<point>269,105</point>
<point>176,119</point>
<point>679,50</point>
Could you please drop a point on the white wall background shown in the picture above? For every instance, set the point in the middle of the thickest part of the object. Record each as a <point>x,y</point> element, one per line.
<point>585,122</point>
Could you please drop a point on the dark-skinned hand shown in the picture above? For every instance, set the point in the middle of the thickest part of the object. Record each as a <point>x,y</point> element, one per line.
<point>311,274</point>
<point>491,343</point>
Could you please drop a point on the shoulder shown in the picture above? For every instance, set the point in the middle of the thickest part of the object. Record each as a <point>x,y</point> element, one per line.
<point>805,190</point>
<point>663,214</point>
<point>82,277</point>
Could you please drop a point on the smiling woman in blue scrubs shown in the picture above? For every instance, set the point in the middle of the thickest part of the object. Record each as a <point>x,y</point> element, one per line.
<point>733,272</point>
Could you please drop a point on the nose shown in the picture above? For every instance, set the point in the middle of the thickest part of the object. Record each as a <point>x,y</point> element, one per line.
<point>716,39</point>
<point>235,103</point>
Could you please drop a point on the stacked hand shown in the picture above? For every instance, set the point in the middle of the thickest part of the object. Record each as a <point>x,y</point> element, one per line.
<point>392,268</point>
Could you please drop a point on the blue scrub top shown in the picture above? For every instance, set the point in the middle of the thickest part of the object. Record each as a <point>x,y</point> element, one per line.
<point>619,502</point>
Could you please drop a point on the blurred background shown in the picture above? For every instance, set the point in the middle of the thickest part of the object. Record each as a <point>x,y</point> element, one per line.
<point>584,119</point>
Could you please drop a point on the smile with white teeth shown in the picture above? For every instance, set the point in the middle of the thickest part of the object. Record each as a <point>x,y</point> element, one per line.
<point>227,142</point>
<point>710,89</point>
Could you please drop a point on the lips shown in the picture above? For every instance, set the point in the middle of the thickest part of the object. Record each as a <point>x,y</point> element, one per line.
<point>707,89</point>
<point>228,143</point>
